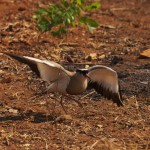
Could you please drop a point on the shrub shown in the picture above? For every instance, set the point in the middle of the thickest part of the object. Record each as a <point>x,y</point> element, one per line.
<point>64,15</point>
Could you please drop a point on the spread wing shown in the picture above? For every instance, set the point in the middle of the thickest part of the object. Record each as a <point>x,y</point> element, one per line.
<point>47,70</point>
<point>105,81</point>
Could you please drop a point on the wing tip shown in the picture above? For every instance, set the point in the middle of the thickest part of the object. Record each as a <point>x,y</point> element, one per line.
<point>31,63</point>
<point>118,99</point>
<point>120,103</point>
<point>6,53</point>
<point>15,56</point>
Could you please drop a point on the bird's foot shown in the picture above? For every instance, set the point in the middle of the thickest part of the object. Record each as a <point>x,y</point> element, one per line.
<point>77,101</point>
<point>42,92</point>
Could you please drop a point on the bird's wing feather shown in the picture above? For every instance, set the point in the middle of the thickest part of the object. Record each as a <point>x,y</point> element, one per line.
<point>51,71</point>
<point>105,81</point>
<point>47,70</point>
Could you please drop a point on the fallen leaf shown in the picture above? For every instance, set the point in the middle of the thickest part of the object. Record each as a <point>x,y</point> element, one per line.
<point>6,80</point>
<point>92,45</point>
<point>102,56</point>
<point>26,145</point>
<point>63,118</point>
<point>87,66</point>
<point>146,53</point>
<point>56,57</point>
<point>144,82</point>
<point>92,56</point>
<point>11,110</point>
<point>36,55</point>
<point>69,59</point>
<point>99,125</point>
<point>107,26</point>
<point>2,72</point>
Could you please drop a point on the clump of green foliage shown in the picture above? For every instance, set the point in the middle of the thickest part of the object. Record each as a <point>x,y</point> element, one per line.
<point>65,14</point>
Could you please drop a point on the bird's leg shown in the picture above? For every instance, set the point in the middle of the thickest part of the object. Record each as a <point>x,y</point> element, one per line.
<point>49,88</point>
<point>61,103</point>
<point>78,102</point>
<point>42,91</point>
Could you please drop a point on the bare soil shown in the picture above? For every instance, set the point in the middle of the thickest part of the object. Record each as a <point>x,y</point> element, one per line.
<point>32,121</point>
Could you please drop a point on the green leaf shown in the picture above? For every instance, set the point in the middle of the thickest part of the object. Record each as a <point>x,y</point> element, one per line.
<point>65,3</point>
<point>79,2</point>
<point>44,25</point>
<point>63,15</point>
<point>42,11</point>
<point>90,29</point>
<point>59,32</point>
<point>68,21</point>
<point>88,21</point>
<point>93,6</point>
<point>39,13</point>
<point>34,17</point>
<point>55,33</point>
<point>92,23</point>
<point>74,24</point>
<point>83,20</point>
<point>57,19</point>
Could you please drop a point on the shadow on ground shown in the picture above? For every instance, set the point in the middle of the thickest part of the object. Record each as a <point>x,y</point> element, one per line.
<point>37,117</point>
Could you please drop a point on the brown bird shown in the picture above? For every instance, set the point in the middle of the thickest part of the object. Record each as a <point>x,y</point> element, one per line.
<point>101,78</point>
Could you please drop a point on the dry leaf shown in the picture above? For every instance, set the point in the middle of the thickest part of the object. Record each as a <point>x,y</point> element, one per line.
<point>87,66</point>
<point>69,59</point>
<point>146,53</point>
<point>6,80</point>
<point>2,72</point>
<point>63,118</point>
<point>102,56</point>
<point>92,56</point>
<point>26,145</point>
<point>99,125</point>
<point>11,110</point>
<point>56,57</point>
<point>36,55</point>
<point>108,26</point>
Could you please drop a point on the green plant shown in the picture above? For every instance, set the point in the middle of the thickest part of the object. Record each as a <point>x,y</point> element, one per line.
<point>59,17</point>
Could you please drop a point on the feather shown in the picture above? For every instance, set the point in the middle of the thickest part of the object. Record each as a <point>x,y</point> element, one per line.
<point>31,63</point>
<point>47,70</point>
<point>105,82</point>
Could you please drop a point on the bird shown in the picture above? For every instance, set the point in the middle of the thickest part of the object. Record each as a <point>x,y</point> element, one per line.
<point>102,79</point>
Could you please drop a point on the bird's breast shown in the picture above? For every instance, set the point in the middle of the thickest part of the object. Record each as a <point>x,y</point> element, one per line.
<point>77,86</point>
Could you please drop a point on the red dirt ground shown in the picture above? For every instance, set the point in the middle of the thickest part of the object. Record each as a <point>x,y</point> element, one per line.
<point>32,121</point>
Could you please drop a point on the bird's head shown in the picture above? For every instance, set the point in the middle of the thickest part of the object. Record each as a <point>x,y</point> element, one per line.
<point>84,72</point>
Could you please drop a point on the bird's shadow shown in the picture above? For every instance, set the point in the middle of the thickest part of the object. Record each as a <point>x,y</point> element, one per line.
<point>35,117</point>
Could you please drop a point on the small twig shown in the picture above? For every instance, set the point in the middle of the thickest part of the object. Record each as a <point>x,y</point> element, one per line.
<point>7,141</point>
<point>87,95</point>
<point>92,146</point>
<point>124,143</point>
<point>138,111</point>
<point>82,63</point>
<point>69,44</point>
<point>46,145</point>
<point>33,98</point>
<point>147,145</point>
<point>148,87</point>
<point>116,9</point>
